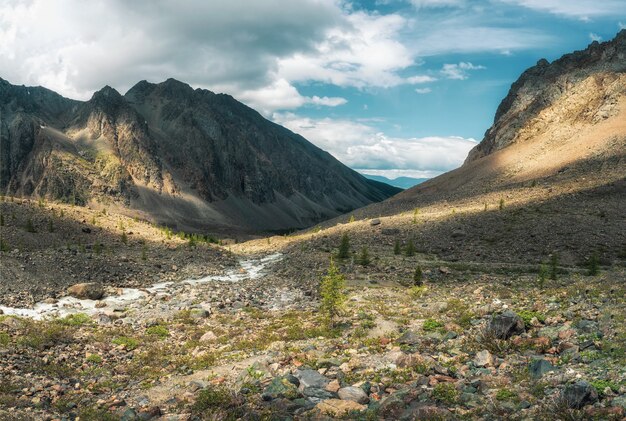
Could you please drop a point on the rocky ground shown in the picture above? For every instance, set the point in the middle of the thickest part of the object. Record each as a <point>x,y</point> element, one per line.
<point>476,341</point>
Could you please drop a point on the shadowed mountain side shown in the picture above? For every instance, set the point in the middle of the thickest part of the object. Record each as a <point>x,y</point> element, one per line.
<point>186,158</point>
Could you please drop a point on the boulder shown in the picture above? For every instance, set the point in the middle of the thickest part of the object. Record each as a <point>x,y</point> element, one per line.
<point>86,290</point>
<point>579,394</point>
<point>539,366</point>
<point>505,325</point>
<point>338,407</point>
<point>355,394</point>
<point>483,359</point>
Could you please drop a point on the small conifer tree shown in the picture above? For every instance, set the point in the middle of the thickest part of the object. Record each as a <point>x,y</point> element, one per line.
<point>554,262</point>
<point>410,249</point>
<point>1,220</point>
<point>418,277</point>
<point>331,293</point>
<point>344,247</point>
<point>396,248</point>
<point>124,238</point>
<point>594,265</point>
<point>501,205</point>
<point>364,258</point>
<point>50,225</point>
<point>29,226</point>
<point>543,275</point>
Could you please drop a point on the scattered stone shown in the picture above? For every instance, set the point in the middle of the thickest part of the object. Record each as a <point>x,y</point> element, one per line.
<point>483,359</point>
<point>375,222</point>
<point>539,366</point>
<point>280,387</point>
<point>311,379</point>
<point>355,394</point>
<point>409,338</point>
<point>86,290</point>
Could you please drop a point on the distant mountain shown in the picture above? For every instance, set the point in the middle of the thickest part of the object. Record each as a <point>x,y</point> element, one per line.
<point>401,182</point>
<point>185,157</point>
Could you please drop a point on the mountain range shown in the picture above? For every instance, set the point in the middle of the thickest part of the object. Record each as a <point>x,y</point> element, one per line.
<point>187,158</point>
<point>401,182</point>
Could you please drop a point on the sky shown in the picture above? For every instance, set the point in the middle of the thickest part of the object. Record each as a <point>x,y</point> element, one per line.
<point>389,87</point>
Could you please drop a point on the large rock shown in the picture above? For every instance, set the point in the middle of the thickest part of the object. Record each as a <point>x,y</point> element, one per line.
<point>579,394</point>
<point>87,290</point>
<point>505,325</point>
<point>352,393</point>
<point>311,378</point>
<point>539,366</point>
<point>280,387</point>
<point>483,359</point>
<point>338,407</point>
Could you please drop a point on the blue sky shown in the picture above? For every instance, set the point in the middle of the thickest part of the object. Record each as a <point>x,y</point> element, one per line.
<point>393,87</point>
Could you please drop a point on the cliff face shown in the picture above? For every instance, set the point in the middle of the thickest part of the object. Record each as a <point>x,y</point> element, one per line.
<point>188,158</point>
<point>581,87</point>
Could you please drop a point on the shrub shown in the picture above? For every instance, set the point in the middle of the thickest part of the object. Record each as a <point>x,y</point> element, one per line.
<point>364,258</point>
<point>418,277</point>
<point>410,249</point>
<point>501,204</point>
<point>417,292</point>
<point>416,211</point>
<point>601,385</point>
<point>124,238</point>
<point>351,219</point>
<point>213,398</point>
<point>543,275</point>
<point>527,316</point>
<point>1,220</point>
<point>144,254</point>
<point>331,292</point>
<point>344,247</point>
<point>505,394</point>
<point>445,392</point>
<point>50,225</point>
<point>94,358</point>
<point>396,248</point>
<point>3,245</point>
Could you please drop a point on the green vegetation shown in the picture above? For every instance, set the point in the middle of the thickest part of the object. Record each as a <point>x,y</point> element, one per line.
<point>77,319</point>
<point>543,275</point>
<point>124,238</point>
<point>29,226</point>
<point>554,262</point>
<point>364,257</point>
<point>126,342</point>
<point>418,276</point>
<point>601,385</point>
<point>416,211</point>
<point>410,249</point>
<point>3,245</point>
<point>351,219</point>
<point>94,358</point>
<point>331,293</point>
<point>396,247</point>
<point>158,330</point>
<point>445,393</point>
<point>213,398</point>
<point>417,291</point>
<point>527,316</point>
<point>1,219</point>
<point>344,247</point>
<point>431,325</point>
<point>505,395</point>
<point>593,265</point>
<point>501,204</point>
<point>50,225</point>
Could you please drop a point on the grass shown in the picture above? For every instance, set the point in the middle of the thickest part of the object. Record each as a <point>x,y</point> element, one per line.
<point>445,393</point>
<point>127,342</point>
<point>78,319</point>
<point>432,325</point>
<point>158,330</point>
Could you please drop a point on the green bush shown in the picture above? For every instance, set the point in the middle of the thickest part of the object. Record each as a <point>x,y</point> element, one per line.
<point>126,342</point>
<point>505,395</point>
<point>527,316</point>
<point>431,325</point>
<point>396,248</point>
<point>77,319</point>
<point>445,393</point>
<point>554,263</point>
<point>593,265</point>
<point>213,398</point>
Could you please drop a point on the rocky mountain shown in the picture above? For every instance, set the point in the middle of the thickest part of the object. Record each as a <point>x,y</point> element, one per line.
<point>548,178</point>
<point>185,157</point>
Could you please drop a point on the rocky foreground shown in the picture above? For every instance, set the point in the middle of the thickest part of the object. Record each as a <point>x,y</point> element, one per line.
<point>465,345</point>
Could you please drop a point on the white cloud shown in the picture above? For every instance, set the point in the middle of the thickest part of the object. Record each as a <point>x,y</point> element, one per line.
<point>459,71</point>
<point>579,9</point>
<point>360,145</point>
<point>281,95</point>
<point>415,80</point>
<point>423,90</point>
<point>621,25</point>
<point>594,37</point>
<point>437,3</point>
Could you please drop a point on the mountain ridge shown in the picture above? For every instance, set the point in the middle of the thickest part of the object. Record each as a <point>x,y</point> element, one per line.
<point>185,157</point>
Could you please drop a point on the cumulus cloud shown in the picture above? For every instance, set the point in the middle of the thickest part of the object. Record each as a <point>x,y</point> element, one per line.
<point>362,146</point>
<point>423,90</point>
<point>437,3</point>
<point>595,37</point>
<point>459,71</point>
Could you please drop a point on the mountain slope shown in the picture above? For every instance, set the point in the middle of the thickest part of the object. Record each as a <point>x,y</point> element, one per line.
<point>549,176</point>
<point>188,158</point>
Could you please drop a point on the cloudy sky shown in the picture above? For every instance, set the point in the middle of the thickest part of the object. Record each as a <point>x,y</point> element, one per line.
<point>395,87</point>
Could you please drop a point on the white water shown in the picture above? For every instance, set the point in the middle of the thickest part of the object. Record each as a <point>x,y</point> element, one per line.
<point>250,269</point>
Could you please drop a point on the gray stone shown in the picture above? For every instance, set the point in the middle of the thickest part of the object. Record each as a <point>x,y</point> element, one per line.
<point>409,338</point>
<point>483,359</point>
<point>538,367</point>
<point>579,394</point>
<point>352,393</point>
<point>375,222</point>
<point>280,387</point>
<point>505,325</point>
<point>311,378</point>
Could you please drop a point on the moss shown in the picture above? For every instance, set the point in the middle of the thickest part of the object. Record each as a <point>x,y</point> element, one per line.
<point>505,395</point>
<point>601,385</point>
<point>77,319</point>
<point>126,342</point>
<point>94,358</point>
<point>431,325</point>
<point>445,393</point>
<point>158,330</point>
